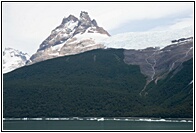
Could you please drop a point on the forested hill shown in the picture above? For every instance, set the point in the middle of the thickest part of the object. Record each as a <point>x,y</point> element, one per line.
<point>95,83</point>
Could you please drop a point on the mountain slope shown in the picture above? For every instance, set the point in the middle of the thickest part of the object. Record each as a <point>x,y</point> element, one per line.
<point>157,63</point>
<point>74,91</point>
<point>13,59</point>
<point>179,83</point>
<point>95,83</point>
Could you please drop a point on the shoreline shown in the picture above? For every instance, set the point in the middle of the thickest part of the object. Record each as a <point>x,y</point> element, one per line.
<point>148,119</point>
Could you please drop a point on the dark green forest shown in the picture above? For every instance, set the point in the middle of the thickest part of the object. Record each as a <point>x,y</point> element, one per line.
<point>95,84</point>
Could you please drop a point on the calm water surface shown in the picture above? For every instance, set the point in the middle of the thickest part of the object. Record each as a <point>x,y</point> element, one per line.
<point>93,125</point>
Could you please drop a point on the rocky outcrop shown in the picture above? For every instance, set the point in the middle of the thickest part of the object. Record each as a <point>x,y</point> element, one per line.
<point>156,63</point>
<point>72,36</point>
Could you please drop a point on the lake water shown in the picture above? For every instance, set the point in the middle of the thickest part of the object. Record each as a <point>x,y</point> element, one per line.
<point>97,124</point>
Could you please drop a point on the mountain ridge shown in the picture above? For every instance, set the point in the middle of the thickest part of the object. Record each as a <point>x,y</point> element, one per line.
<point>76,35</point>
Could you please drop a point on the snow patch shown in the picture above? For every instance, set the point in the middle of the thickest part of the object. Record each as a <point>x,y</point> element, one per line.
<point>191,82</point>
<point>71,24</point>
<point>57,47</point>
<point>96,37</point>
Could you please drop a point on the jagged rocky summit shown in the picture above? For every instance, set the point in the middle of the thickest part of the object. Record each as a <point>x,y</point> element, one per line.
<point>74,35</point>
<point>13,59</point>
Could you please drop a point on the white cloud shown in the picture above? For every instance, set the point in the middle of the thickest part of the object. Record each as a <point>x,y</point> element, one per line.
<point>122,13</point>
<point>182,23</point>
<point>177,24</point>
<point>26,25</point>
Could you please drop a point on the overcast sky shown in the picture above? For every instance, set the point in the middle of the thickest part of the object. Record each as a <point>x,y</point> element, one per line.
<point>25,24</point>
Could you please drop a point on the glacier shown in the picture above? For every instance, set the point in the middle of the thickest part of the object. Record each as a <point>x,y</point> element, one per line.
<point>142,40</point>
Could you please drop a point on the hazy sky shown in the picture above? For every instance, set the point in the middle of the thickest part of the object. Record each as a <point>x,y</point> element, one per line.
<point>26,24</point>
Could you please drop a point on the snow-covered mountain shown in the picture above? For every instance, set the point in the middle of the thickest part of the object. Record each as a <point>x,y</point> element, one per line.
<point>76,35</point>
<point>13,59</point>
<point>72,36</point>
<point>142,40</point>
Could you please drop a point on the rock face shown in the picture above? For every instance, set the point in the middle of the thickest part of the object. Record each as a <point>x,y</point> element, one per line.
<point>156,63</point>
<point>72,36</point>
<point>13,59</point>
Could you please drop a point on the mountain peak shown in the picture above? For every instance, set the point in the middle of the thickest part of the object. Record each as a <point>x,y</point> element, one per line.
<point>84,16</point>
<point>74,35</point>
<point>13,59</point>
<point>69,18</point>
